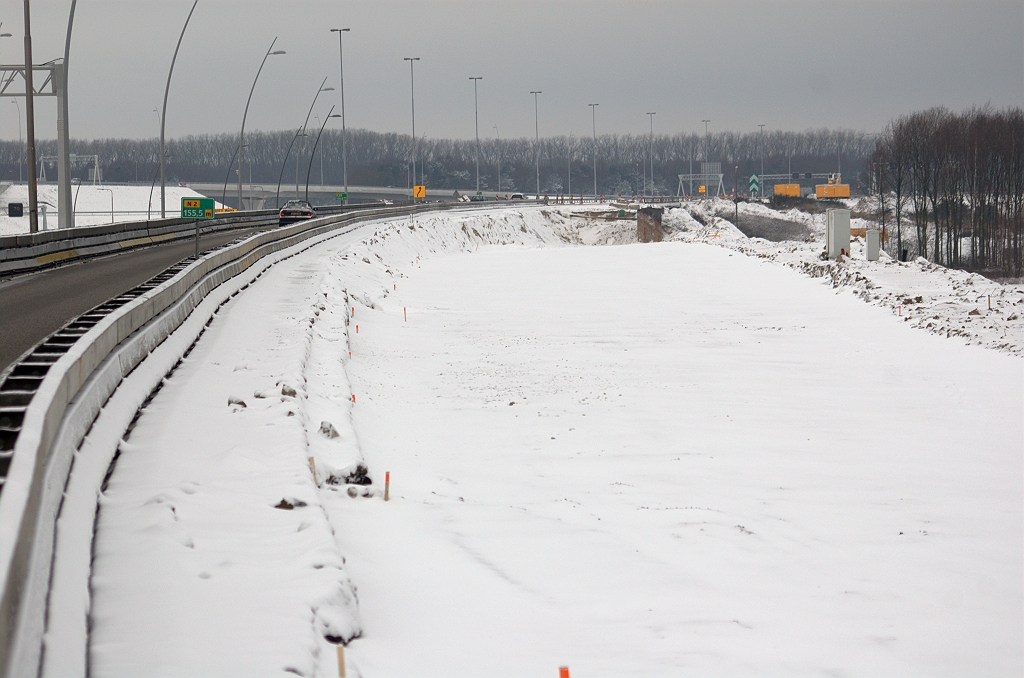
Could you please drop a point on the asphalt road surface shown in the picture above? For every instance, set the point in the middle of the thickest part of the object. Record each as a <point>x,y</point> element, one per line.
<point>35,305</point>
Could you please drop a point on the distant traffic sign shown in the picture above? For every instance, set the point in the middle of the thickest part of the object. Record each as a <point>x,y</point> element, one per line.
<point>702,189</point>
<point>197,208</point>
<point>419,191</point>
<point>341,196</point>
<point>755,184</point>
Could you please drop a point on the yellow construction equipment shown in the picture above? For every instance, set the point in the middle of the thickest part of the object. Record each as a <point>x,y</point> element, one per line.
<point>832,191</point>
<point>787,190</point>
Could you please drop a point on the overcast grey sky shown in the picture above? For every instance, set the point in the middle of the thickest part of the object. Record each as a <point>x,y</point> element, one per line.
<point>790,64</point>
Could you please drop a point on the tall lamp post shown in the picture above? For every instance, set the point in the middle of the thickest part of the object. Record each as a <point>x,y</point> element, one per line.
<point>21,141</point>
<point>412,88</point>
<point>241,134</point>
<point>330,114</point>
<point>707,141</point>
<point>593,123</point>
<point>498,137</point>
<point>30,127</point>
<point>536,145</point>
<point>650,117</point>
<point>303,135</point>
<point>476,117</point>
<point>761,183</point>
<point>301,131</point>
<point>167,89</point>
<point>344,153</point>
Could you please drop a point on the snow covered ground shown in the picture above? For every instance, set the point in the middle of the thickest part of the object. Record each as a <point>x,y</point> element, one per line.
<point>705,457</point>
<point>93,204</point>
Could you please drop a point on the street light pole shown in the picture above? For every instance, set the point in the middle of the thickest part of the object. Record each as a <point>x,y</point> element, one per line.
<point>707,142</point>
<point>498,137</point>
<point>593,123</point>
<point>313,152</point>
<point>761,178</point>
<point>30,127</point>
<point>412,89</point>
<point>167,89</point>
<point>536,131</point>
<point>21,141</point>
<point>650,116</point>
<point>476,116</point>
<point>344,153</point>
<point>241,134</point>
<point>303,135</point>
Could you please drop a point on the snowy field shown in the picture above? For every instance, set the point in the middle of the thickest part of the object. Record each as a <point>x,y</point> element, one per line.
<point>93,204</point>
<point>704,457</point>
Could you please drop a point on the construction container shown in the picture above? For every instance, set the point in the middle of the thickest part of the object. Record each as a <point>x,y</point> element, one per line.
<point>871,241</point>
<point>832,190</point>
<point>787,190</point>
<point>837,233</point>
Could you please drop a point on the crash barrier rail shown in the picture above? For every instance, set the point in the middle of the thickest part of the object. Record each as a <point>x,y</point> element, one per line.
<point>35,251</point>
<point>52,396</point>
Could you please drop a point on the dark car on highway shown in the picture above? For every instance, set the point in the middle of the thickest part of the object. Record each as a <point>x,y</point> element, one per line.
<point>296,210</point>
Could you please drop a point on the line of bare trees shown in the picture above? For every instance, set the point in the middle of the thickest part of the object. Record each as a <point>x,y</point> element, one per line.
<point>383,159</point>
<point>961,179</point>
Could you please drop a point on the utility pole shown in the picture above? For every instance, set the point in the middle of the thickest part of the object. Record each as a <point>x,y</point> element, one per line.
<point>30,127</point>
<point>476,115</point>
<point>536,131</point>
<point>593,123</point>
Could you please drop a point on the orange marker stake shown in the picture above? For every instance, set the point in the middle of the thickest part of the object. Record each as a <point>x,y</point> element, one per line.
<point>350,354</point>
<point>341,661</point>
<point>405,315</point>
<point>353,397</point>
<point>357,329</point>
<point>900,309</point>
<point>563,672</point>
<point>387,486</point>
<point>395,286</point>
<point>353,311</point>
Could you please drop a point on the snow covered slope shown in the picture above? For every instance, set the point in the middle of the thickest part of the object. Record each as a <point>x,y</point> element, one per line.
<point>632,460</point>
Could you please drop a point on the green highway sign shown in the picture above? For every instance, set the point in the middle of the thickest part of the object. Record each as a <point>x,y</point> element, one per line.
<point>197,208</point>
<point>755,184</point>
<point>341,196</point>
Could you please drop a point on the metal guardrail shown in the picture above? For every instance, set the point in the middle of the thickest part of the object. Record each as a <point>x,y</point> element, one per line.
<point>35,251</point>
<point>52,395</point>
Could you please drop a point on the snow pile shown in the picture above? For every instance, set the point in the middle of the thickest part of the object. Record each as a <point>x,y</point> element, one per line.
<point>943,301</point>
<point>93,204</point>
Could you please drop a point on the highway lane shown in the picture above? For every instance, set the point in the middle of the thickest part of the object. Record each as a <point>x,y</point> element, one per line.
<point>35,305</point>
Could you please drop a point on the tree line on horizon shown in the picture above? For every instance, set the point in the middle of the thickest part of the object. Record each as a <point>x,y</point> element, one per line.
<point>384,159</point>
<point>957,181</point>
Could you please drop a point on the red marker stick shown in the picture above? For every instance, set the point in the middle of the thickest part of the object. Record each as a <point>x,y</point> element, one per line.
<point>387,486</point>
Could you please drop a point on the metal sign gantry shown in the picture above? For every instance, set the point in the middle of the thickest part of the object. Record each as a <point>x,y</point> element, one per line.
<point>707,180</point>
<point>54,85</point>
